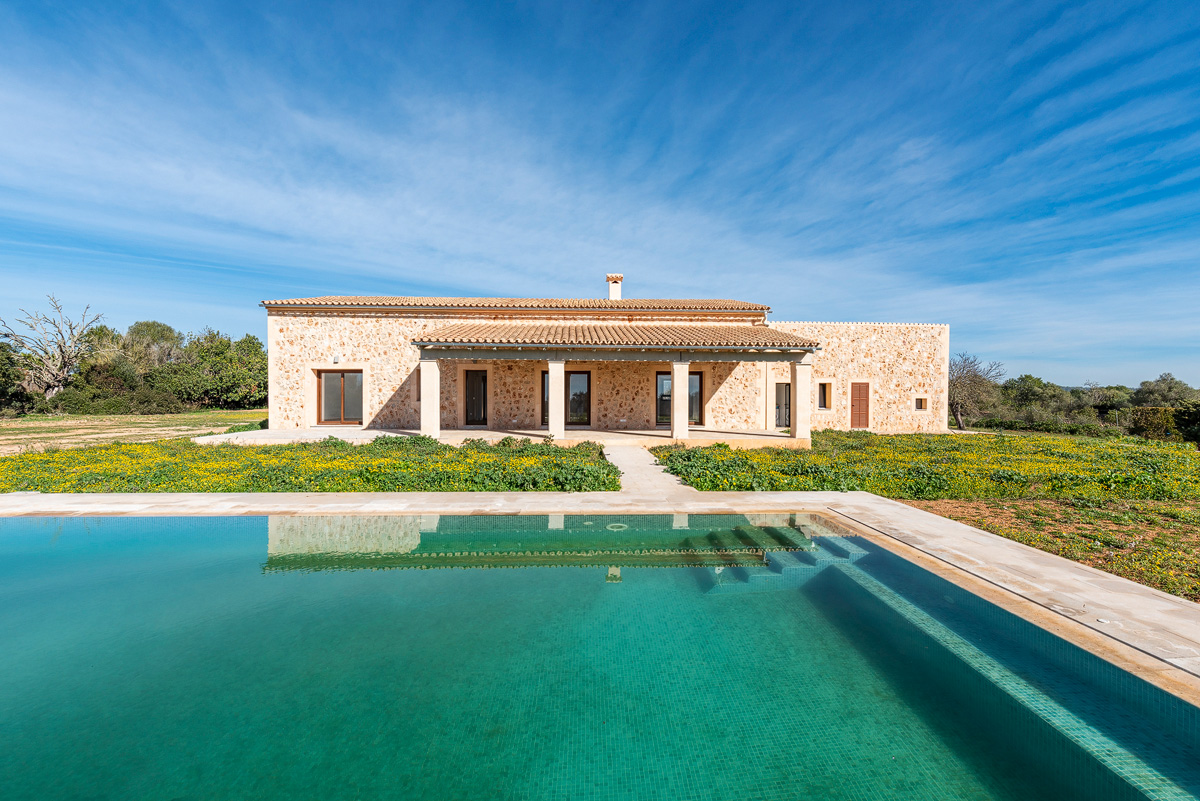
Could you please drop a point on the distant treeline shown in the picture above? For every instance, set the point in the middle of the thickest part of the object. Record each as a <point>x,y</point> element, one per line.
<point>1162,408</point>
<point>54,365</point>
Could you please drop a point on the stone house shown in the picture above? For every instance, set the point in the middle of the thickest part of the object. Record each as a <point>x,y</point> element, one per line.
<point>567,366</point>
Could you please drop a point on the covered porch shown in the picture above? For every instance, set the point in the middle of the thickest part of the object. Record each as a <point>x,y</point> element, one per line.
<point>610,383</point>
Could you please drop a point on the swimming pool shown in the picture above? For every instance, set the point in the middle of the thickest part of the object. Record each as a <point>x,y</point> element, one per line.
<point>652,656</point>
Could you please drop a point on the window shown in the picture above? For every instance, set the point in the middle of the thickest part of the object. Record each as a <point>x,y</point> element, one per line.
<point>341,395</point>
<point>578,386</point>
<point>824,395</point>
<point>922,404</point>
<point>662,398</point>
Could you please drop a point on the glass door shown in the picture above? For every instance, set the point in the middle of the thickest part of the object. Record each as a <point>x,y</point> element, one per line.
<point>579,399</point>
<point>783,405</point>
<point>662,398</point>
<point>578,388</point>
<point>475,397</point>
<point>341,401</point>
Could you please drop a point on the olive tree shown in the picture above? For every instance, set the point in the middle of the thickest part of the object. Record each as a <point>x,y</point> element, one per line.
<point>972,383</point>
<point>52,347</point>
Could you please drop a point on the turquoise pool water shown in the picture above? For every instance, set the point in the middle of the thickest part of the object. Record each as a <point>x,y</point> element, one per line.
<point>655,657</point>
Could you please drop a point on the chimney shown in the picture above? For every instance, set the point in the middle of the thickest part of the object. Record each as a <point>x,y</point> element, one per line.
<point>614,285</point>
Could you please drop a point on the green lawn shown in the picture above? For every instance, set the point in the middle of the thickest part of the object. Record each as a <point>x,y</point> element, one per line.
<point>388,464</point>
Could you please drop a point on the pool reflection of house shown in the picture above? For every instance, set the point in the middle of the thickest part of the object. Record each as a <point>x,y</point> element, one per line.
<point>572,367</point>
<point>432,541</point>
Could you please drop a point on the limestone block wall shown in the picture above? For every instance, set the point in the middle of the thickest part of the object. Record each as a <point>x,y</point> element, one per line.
<point>900,361</point>
<point>301,342</point>
<point>346,533</point>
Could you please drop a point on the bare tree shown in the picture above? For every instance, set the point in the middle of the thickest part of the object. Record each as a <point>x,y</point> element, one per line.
<point>971,382</point>
<point>54,347</point>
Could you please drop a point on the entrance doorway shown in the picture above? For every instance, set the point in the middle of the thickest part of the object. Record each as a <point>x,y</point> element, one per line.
<point>860,405</point>
<point>783,405</point>
<point>578,388</point>
<point>662,398</point>
<point>475,397</point>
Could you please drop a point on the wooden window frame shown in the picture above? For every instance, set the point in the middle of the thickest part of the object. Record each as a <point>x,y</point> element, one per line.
<point>321,421</point>
<point>824,388</point>
<point>921,404</point>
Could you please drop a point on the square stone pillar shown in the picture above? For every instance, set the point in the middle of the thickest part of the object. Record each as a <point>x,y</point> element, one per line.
<point>431,398</point>
<point>802,398</point>
<point>679,399</point>
<point>556,422</point>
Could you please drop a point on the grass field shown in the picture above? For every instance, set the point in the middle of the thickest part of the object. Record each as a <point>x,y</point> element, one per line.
<point>1156,543</point>
<point>36,432</point>
<point>387,464</point>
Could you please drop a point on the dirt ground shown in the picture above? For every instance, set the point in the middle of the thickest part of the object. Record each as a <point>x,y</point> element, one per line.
<point>1156,543</point>
<point>38,432</point>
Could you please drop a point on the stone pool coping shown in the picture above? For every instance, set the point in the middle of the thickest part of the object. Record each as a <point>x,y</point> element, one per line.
<point>1147,632</point>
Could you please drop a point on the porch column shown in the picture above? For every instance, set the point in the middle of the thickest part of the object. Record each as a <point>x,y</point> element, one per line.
<point>679,400</point>
<point>802,398</point>
<point>557,410</point>
<point>431,398</point>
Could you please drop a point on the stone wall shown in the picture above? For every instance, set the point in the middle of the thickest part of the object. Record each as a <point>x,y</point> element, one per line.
<point>901,363</point>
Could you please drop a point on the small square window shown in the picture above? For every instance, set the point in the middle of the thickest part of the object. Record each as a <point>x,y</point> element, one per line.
<point>824,394</point>
<point>922,404</point>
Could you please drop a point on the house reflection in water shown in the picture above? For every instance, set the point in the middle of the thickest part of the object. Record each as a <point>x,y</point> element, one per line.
<point>356,542</point>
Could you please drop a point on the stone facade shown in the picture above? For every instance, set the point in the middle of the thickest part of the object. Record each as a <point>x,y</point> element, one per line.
<point>899,362</point>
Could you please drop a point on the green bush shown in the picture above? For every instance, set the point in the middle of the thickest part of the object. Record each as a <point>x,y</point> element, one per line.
<point>216,372</point>
<point>1152,422</point>
<point>259,426</point>
<point>1187,421</point>
<point>1051,427</point>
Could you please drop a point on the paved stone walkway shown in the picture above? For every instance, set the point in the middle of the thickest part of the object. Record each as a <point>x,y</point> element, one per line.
<point>642,476</point>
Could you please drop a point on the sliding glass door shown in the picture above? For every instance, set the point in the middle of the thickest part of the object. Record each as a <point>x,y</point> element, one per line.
<point>341,400</point>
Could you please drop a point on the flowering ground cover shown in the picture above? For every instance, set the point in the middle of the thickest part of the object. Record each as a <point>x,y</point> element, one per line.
<point>1156,543</point>
<point>391,464</point>
<point>1127,506</point>
<point>932,466</point>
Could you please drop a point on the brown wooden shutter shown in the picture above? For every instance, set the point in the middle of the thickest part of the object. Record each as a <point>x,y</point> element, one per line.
<point>860,405</point>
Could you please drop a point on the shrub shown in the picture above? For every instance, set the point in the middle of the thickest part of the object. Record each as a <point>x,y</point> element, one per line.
<point>1187,421</point>
<point>1152,422</point>
<point>1051,427</point>
<point>259,426</point>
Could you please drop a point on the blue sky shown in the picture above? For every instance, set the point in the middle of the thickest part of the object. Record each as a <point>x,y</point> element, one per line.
<point>1027,172</point>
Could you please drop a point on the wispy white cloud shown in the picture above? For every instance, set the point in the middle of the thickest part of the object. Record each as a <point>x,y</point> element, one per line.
<point>1045,213</point>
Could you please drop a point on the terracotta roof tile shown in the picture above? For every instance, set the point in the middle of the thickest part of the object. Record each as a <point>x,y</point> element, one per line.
<point>620,335</point>
<point>643,304</point>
